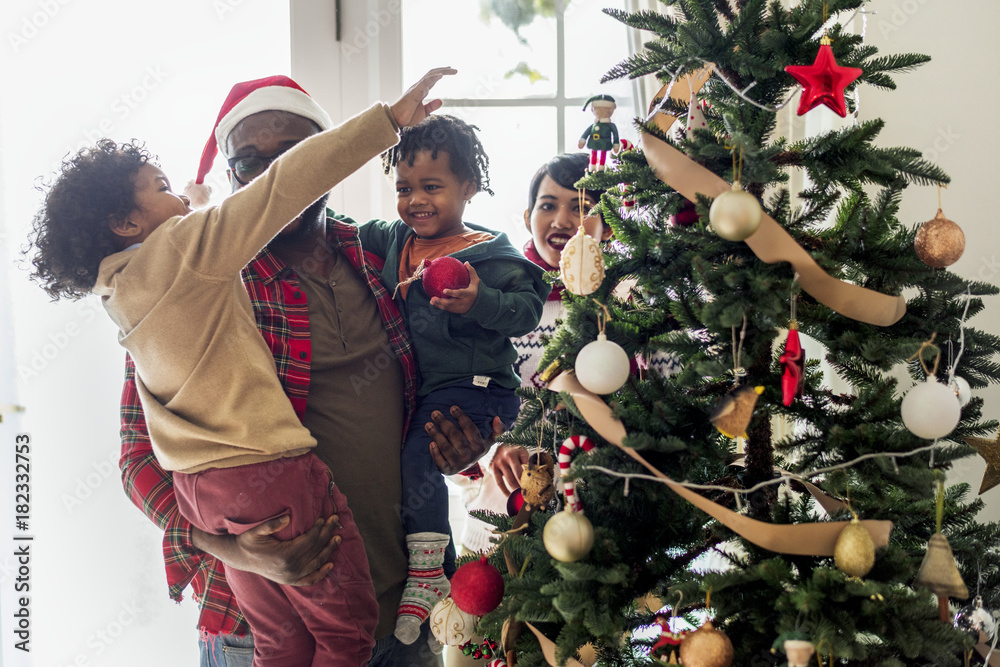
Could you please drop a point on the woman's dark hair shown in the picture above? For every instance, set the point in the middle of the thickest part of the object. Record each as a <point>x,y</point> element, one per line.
<point>71,232</point>
<point>440,132</point>
<point>565,170</point>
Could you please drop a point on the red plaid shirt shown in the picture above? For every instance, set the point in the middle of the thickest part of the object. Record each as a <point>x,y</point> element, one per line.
<point>282,316</point>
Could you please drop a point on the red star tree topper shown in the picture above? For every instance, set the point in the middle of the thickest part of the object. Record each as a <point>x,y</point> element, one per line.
<point>824,81</point>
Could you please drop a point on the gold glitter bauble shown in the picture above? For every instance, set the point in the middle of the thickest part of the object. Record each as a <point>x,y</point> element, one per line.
<point>706,647</point>
<point>568,536</point>
<point>854,552</point>
<point>939,242</point>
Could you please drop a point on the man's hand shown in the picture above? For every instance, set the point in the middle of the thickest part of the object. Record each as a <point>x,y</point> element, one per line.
<point>455,448</point>
<point>506,467</point>
<point>298,562</point>
<point>410,109</point>
<point>459,301</point>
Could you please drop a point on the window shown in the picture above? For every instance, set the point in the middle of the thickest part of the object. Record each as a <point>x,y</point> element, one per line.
<point>121,69</point>
<point>523,81</point>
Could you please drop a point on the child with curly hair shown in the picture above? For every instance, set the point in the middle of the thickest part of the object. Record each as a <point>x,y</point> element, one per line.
<point>461,339</point>
<point>169,277</point>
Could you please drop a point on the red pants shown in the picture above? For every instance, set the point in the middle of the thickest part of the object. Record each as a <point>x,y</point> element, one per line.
<point>331,623</point>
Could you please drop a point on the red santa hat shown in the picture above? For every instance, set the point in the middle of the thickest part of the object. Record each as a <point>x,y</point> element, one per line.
<point>272,93</point>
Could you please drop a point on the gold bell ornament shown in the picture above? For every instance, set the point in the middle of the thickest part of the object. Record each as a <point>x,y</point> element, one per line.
<point>581,265</point>
<point>938,572</point>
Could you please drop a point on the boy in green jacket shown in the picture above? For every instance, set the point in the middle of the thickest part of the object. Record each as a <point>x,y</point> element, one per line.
<point>461,339</point>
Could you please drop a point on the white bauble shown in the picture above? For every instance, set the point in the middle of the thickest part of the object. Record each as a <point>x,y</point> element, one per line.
<point>735,214</point>
<point>568,536</point>
<point>931,410</point>
<point>451,626</point>
<point>962,390</point>
<point>602,366</point>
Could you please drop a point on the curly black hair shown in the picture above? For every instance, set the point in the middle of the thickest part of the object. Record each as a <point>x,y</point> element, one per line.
<point>441,132</point>
<point>71,232</point>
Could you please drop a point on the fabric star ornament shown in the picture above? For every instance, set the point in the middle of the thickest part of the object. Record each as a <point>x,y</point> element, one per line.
<point>990,451</point>
<point>824,81</point>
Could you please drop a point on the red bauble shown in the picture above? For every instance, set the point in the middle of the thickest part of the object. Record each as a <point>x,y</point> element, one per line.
<point>515,501</point>
<point>824,81</point>
<point>477,587</point>
<point>685,217</point>
<point>443,273</point>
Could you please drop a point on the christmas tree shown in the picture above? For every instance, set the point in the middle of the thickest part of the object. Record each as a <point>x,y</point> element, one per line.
<point>742,421</point>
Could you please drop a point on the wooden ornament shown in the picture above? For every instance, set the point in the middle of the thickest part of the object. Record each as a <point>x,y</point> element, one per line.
<point>938,572</point>
<point>854,553</point>
<point>450,625</point>
<point>732,415</point>
<point>581,265</point>
<point>706,647</point>
<point>537,485</point>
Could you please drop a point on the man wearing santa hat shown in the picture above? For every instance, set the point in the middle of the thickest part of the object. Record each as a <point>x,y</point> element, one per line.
<point>344,359</point>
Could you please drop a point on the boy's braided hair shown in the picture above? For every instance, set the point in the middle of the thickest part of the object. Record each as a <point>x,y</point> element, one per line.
<point>440,132</point>
<point>71,232</point>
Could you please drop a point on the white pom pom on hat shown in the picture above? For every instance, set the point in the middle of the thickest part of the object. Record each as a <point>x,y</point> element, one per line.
<point>272,93</point>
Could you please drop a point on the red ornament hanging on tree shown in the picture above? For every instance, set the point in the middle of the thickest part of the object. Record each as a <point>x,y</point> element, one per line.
<point>794,361</point>
<point>477,587</point>
<point>824,81</point>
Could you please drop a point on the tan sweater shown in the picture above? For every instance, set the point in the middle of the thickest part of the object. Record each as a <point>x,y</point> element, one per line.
<point>207,380</point>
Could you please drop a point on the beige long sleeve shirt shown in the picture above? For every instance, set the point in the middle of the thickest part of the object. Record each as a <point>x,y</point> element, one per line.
<point>206,379</point>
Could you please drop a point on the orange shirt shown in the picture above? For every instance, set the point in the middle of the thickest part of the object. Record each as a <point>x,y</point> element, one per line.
<point>416,250</point>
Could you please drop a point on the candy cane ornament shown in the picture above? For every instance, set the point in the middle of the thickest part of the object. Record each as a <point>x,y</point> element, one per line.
<point>569,445</point>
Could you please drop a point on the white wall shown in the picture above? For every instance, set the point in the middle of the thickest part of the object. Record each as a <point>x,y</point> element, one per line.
<point>945,109</point>
<point>98,595</point>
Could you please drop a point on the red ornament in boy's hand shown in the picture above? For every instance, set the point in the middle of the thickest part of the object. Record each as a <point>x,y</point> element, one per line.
<point>443,273</point>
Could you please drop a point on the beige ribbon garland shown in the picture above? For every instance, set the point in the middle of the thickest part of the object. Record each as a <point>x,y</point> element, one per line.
<point>804,539</point>
<point>771,243</point>
<point>549,651</point>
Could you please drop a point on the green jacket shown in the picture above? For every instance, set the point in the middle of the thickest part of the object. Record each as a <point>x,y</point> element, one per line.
<point>449,347</point>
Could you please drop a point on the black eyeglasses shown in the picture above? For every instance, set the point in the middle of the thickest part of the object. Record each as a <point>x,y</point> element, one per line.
<point>245,168</point>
